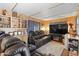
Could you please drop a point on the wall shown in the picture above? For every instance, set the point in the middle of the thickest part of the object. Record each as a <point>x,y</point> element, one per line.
<point>45,26</point>
<point>70,19</point>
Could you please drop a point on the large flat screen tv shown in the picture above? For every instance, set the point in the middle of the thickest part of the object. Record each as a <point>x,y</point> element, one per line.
<point>59,28</point>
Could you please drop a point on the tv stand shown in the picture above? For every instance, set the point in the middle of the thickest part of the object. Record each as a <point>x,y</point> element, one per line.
<point>58,37</point>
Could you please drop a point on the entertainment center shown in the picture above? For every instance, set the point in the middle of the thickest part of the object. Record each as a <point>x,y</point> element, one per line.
<point>58,30</point>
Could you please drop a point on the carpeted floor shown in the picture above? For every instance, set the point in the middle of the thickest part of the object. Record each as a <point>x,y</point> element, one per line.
<point>52,48</point>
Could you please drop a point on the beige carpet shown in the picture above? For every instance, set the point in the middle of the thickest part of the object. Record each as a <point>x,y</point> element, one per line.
<point>52,48</point>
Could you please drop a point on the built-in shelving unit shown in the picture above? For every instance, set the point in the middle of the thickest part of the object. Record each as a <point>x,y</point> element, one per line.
<point>13,25</point>
<point>5,22</point>
<point>20,23</point>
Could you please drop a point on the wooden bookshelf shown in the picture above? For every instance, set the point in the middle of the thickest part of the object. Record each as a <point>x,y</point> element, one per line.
<point>10,23</point>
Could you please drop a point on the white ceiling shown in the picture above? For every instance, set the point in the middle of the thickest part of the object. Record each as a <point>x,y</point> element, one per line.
<point>43,10</point>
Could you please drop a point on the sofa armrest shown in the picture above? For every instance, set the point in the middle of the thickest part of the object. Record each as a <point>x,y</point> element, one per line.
<point>32,47</point>
<point>1,54</point>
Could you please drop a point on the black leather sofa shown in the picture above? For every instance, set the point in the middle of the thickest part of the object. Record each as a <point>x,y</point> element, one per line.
<point>12,46</point>
<point>38,38</point>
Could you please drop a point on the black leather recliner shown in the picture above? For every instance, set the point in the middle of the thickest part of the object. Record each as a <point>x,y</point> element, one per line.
<point>38,38</point>
<point>12,46</point>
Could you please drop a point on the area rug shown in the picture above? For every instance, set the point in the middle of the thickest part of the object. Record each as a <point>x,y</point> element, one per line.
<point>51,48</point>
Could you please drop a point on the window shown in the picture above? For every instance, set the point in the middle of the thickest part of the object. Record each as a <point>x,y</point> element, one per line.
<point>33,26</point>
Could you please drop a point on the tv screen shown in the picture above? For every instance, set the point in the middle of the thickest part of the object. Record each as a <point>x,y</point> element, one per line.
<point>59,28</point>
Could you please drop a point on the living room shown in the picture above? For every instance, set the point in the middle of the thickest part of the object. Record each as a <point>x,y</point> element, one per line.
<point>39,29</point>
